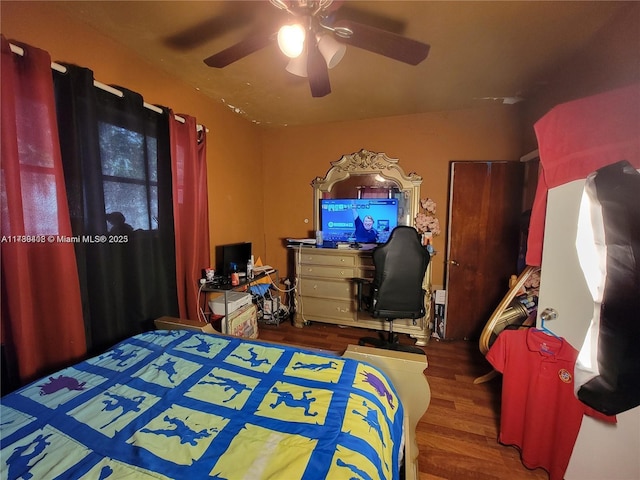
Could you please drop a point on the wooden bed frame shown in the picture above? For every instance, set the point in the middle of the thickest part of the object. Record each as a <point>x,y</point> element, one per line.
<point>405,370</point>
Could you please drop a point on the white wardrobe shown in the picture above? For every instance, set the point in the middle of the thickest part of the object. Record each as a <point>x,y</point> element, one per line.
<point>575,139</point>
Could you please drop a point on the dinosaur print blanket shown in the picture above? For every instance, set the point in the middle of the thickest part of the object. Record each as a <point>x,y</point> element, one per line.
<point>187,405</point>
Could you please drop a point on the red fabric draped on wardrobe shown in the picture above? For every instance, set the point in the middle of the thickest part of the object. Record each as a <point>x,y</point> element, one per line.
<point>575,139</point>
<point>42,322</point>
<point>190,210</point>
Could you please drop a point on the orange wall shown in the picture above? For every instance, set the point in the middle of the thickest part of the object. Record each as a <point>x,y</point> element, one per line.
<point>259,178</point>
<point>424,144</point>
<point>232,143</point>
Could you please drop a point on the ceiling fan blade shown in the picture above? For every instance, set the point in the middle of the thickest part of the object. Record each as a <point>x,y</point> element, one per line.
<point>207,30</point>
<point>385,43</point>
<point>225,17</point>
<point>352,12</point>
<point>245,47</point>
<point>317,72</point>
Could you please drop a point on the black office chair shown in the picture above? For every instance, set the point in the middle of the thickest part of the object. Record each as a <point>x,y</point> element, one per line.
<point>396,290</point>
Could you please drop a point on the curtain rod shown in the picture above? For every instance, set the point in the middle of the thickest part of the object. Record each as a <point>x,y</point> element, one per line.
<point>62,69</point>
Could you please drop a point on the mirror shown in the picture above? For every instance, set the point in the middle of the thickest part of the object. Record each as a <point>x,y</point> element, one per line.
<point>366,174</point>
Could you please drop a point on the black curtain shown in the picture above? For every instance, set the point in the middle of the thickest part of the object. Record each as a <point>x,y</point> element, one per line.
<point>117,166</point>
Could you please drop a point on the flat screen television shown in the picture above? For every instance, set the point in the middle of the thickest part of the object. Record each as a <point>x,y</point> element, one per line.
<point>362,220</point>
<point>233,253</point>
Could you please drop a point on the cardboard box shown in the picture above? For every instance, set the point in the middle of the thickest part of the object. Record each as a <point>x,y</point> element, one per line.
<point>242,323</point>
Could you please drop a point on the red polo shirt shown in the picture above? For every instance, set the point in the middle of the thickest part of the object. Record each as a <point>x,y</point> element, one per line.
<point>540,412</point>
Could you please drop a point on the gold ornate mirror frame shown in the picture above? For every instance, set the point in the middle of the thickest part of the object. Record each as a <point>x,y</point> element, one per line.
<point>365,169</point>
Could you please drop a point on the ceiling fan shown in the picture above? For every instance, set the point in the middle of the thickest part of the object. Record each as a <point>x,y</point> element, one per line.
<point>316,40</point>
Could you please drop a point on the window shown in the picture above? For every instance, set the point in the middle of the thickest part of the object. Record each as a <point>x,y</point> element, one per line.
<point>130,184</point>
<point>37,175</point>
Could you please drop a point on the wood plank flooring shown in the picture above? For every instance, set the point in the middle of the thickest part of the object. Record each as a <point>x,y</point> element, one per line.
<point>457,436</point>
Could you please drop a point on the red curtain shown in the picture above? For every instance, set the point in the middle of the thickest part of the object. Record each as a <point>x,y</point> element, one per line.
<point>42,322</point>
<point>190,211</point>
<point>577,138</point>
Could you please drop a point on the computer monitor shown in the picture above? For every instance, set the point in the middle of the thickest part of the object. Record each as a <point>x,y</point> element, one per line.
<point>339,224</point>
<point>233,253</point>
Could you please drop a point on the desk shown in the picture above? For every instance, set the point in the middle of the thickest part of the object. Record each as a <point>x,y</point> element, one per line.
<point>225,288</point>
<point>325,291</point>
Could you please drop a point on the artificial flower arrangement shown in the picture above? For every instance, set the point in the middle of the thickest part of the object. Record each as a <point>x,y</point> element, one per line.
<point>427,223</point>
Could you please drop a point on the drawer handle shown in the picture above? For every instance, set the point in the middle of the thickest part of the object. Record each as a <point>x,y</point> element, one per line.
<point>342,310</point>
<point>315,287</point>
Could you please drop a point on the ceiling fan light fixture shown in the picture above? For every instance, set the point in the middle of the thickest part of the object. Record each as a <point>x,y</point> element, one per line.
<point>331,49</point>
<point>291,40</point>
<point>298,65</point>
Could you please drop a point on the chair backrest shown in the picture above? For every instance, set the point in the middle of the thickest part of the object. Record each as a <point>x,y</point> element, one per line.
<point>400,266</point>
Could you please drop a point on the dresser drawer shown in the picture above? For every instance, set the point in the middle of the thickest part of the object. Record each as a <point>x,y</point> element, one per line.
<point>326,271</point>
<point>314,287</point>
<point>335,311</point>
<point>319,259</point>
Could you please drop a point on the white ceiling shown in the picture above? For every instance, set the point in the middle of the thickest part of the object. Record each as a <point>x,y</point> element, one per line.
<point>480,51</point>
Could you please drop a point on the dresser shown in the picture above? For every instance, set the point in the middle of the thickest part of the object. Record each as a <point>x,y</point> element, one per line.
<point>326,292</point>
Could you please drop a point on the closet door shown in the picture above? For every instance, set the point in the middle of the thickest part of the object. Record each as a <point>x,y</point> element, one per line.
<point>485,200</point>
<point>601,451</point>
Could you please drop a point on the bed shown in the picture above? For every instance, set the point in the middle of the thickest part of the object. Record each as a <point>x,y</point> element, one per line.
<point>180,404</point>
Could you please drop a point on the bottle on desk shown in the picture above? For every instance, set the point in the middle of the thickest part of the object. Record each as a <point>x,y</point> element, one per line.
<point>250,268</point>
<point>235,276</point>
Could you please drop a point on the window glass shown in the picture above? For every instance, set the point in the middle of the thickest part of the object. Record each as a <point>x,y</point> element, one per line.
<point>130,183</point>
<point>38,183</point>
<point>122,152</point>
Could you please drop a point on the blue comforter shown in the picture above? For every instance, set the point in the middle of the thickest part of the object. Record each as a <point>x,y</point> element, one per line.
<point>185,405</point>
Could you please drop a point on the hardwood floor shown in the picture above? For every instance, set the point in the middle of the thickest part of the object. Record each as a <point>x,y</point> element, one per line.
<point>457,436</point>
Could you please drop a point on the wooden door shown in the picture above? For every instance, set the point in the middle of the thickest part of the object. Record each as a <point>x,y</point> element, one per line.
<point>485,207</point>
